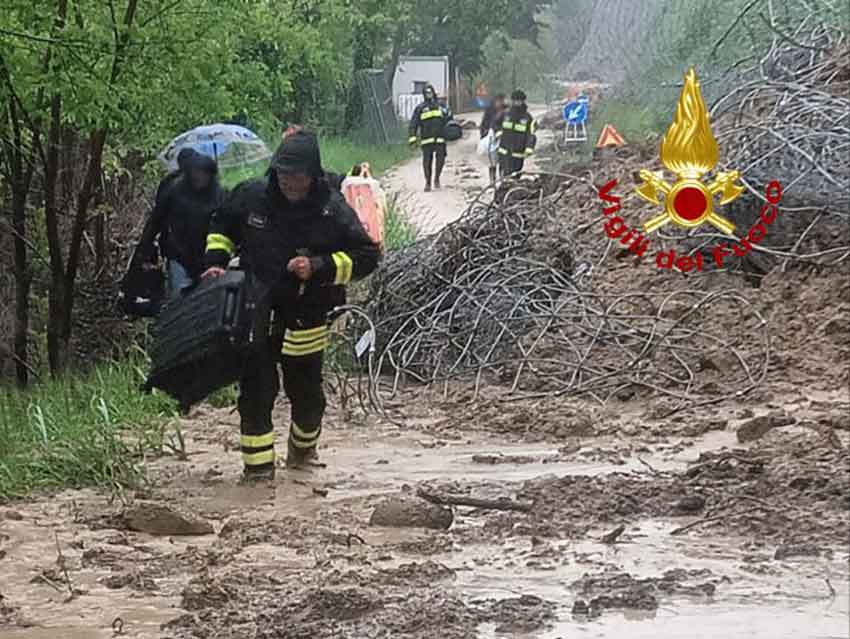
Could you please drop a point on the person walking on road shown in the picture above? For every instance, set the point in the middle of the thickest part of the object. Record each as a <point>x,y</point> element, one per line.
<point>428,125</point>
<point>185,201</point>
<point>492,115</point>
<point>300,244</point>
<point>516,130</point>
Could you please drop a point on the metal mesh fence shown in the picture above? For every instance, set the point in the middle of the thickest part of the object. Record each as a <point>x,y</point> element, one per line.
<point>382,125</point>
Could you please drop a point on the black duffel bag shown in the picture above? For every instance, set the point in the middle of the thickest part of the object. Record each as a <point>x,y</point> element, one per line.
<point>141,291</point>
<point>201,341</point>
<point>453,131</point>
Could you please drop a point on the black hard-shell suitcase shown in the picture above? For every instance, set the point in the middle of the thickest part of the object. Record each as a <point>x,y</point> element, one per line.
<point>202,340</point>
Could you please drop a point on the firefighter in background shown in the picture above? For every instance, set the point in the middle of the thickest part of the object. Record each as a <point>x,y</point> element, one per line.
<point>300,244</point>
<point>516,130</point>
<point>428,122</point>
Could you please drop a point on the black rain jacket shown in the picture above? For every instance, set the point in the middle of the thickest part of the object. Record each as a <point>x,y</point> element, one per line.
<point>266,230</point>
<point>489,119</point>
<point>181,216</point>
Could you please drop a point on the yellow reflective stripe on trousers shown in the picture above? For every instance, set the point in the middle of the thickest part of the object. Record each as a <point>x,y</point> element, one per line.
<point>306,342</point>
<point>304,436</point>
<point>258,459</point>
<point>306,335</point>
<point>219,242</point>
<point>257,441</point>
<point>428,141</point>
<point>301,438</point>
<point>411,139</point>
<point>344,267</point>
<point>433,113</point>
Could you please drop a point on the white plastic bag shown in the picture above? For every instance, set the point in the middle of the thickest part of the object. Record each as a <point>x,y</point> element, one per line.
<point>484,145</point>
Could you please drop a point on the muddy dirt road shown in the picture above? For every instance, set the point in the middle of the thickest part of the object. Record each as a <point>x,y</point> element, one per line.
<point>593,557</point>
<point>464,176</point>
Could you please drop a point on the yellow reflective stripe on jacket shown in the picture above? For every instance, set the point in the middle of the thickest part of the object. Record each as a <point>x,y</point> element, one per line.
<point>503,151</point>
<point>433,113</point>
<point>411,139</point>
<point>258,459</point>
<point>519,127</point>
<point>219,242</point>
<point>433,141</point>
<point>344,267</point>
<point>257,441</point>
<point>305,342</point>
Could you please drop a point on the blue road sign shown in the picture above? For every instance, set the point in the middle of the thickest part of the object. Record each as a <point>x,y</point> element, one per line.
<point>575,111</point>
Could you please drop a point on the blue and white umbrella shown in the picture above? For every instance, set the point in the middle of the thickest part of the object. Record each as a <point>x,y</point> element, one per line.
<point>229,144</point>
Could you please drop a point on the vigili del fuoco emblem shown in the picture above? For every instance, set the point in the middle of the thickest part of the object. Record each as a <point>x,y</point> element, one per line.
<point>689,150</point>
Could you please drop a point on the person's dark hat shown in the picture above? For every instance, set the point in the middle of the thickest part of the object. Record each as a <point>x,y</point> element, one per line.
<point>518,95</point>
<point>184,158</point>
<point>298,154</point>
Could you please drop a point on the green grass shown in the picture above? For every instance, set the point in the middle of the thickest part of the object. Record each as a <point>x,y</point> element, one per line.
<point>637,123</point>
<point>92,430</point>
<point>399,231</point>
<point>338,156</point>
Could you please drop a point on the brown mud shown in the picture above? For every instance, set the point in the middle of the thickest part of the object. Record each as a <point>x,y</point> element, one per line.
<point>733,539</point>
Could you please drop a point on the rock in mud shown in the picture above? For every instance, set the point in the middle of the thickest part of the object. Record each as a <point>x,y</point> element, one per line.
<point>758,427</point>
<point>523,614</point>
<point>157,519</point>
<point>689,505</point>
<point>402,512</point>
<point>796,550</point>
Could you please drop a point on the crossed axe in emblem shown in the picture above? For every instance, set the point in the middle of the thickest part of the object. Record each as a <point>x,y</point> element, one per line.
<point>724,184</point>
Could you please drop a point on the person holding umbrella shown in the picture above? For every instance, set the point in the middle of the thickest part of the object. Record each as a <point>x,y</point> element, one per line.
<point>180,219</point>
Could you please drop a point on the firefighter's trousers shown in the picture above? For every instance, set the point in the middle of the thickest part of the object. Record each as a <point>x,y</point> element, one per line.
<point>300,356</point>
<point>429,152</point>
<point>510,165</point>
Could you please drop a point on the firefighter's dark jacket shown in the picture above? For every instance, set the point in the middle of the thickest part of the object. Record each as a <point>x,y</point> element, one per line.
<point>259,224</point>
<point>429,121</point>
<point>181,216</point>
<point>516,130</point>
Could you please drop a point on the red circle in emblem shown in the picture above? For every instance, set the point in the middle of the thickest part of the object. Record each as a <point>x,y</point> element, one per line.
<point>690,203</point>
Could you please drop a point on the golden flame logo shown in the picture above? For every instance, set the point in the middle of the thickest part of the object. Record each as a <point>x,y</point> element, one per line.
<point>689,150</point>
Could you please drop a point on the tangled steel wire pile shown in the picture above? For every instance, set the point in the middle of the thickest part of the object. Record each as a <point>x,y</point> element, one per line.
<point>789,120</point>
<point>504,297</point>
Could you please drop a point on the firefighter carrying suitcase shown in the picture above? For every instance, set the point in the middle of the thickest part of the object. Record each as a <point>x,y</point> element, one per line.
<point>202,340</point>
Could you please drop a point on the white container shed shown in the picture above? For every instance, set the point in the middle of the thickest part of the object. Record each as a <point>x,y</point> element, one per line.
<point>411,76</point>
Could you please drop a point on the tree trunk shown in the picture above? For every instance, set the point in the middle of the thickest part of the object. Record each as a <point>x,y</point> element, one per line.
<point>389,71</point>
<point>87,191</point>
<point>23,278</point>
<point>56,290</point>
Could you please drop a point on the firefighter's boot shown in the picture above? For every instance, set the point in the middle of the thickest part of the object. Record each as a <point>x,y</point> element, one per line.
<point>301,457</point>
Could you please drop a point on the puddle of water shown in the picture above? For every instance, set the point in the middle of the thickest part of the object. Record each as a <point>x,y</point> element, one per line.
<point>793,603</point>
<point>392,463</point>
